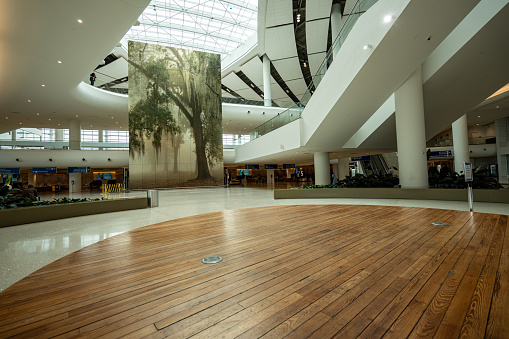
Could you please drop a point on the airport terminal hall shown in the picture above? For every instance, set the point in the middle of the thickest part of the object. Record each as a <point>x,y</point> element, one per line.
<point>254,169</point>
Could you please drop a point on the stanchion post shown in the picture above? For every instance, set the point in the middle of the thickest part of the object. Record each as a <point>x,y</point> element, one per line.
<point>469,177</point>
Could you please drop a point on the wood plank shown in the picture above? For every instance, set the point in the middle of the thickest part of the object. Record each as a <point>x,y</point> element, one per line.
<point>288,271</point>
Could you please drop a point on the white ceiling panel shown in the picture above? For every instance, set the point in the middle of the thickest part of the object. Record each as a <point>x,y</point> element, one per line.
<point>348,6</point>
<point>298,87</point>
<point>253,70</point>
<point>316,35</point>
<point>280,42</point>
<point>226,94</point>
<point>233,82</point>
<point>278,93</point>
<point>318,9</point>
<point>248,93</point>
<point>315,60</point>
<point>279,12</point>
<point>288,69</point>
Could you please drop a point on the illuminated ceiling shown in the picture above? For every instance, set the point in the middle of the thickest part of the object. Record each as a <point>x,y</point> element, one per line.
<point>205,25</point>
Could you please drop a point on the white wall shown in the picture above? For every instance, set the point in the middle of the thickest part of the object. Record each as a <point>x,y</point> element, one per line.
<point>282,139</point>
<point>63,158</point>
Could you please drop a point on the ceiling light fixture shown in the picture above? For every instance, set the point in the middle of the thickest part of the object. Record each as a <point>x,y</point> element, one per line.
<point>367,46</point>
<point>305,65</point>
<point>37,113</point>
<point>298,17</point>
<point>388,18</point>
<point>43,85</point>
<point>498,106</point>
<point>80,21</point>
<point>29,100</point>
<point>59,61</point>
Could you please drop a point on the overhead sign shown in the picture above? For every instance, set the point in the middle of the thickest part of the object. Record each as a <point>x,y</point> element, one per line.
<point>270,166</point>
<point>363,158</point>
<point>9,171</point>
<point>288,165</point>
<point>78,169</point>
<point>440,154</point>
<point>252,166</point>
<point>44,170</point>
<point>469,175</point>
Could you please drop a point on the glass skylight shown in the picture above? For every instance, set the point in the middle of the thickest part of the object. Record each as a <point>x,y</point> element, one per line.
<point>204,25</point>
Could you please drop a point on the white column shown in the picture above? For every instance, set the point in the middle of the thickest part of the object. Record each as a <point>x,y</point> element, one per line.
<point>502,135</point>
<point>13,135</point>
<point>59,135</point>
<point>335,23</point>
<point>343,168</point>
<point>270,177</point>
<point>267,92</point>
<point>74,135</point>
<point>74,182</point>
<point>101,137</point>
<point>460,143</point>
<point>322,168</point>
<point>410,132</point>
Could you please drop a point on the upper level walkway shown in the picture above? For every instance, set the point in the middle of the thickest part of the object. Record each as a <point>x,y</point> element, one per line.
<point>460,67</point>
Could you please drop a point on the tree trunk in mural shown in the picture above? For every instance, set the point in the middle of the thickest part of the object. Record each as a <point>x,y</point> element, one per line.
<point>191,81</point>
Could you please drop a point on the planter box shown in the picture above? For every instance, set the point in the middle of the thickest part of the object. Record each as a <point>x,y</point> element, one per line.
<point>26,215</point>
<point>480,195</point>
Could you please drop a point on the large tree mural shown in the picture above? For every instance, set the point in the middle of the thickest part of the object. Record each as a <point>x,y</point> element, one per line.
<point>166,83</point>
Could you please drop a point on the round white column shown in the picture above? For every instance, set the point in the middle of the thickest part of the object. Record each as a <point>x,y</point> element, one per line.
<point>460,143</point>
<point>410,132</point>
<point>322,168</point>
<point>13,135</point>
<point>75,135</point>
<point>270,177</point>
<point>343,168</point>
<point>335,23</point>
<point>267,92</point>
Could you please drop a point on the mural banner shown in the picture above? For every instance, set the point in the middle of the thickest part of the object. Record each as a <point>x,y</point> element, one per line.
<point>175,119</point>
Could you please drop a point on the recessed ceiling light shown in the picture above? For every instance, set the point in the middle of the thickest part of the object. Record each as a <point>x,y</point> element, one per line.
<point>58,124</point>
<point>20,123</point>
<point>76,115</point>
<point>6,117</point>
<point>477,124</point>
<point>90,125</point>
<point>367,46</point>
<point>59,61</point>
<point>49,119</point>
<point>498,106</point>
<point>37,113</point>
<point>43,85</point>
<point>29,100</point>
<point>305,65</point>
<point>116,122</point>
<point>388,18</point>
<point>80,21</point>
<point>478,116</point>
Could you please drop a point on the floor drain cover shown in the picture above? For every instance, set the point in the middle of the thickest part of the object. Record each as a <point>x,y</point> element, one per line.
<point>440,224</point>
<point>211,260</point>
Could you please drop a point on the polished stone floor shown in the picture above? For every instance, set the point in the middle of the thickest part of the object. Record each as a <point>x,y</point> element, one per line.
<point>26,248</point>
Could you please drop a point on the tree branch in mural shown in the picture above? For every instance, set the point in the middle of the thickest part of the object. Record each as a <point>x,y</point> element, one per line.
<point>191,81</point>
<point>150,118</point>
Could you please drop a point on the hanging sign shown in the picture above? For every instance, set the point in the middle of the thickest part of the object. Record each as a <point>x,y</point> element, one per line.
<point>78,169</point>
<point>288,165</point>
<point>9,171</point>
<point>270,166</point>
<point>44,170</point>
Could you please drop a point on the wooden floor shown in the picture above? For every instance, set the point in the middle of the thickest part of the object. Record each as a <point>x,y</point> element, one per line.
<point>289,271</point>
